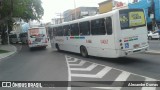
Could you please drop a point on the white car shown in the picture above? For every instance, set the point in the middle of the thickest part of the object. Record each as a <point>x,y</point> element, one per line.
<point>153,35</point>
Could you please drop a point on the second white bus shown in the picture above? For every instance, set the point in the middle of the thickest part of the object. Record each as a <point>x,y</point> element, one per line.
<point>114,34</point>
<point>37,37</point>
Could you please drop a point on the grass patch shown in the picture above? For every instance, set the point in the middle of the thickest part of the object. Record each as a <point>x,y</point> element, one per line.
<point>3,51</point>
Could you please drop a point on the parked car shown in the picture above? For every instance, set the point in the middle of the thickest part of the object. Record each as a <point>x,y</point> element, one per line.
<point>14,38</point>
<point>153,35</point>
<point>23,37</point>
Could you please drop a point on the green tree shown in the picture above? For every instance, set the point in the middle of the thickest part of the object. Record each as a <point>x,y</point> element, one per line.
<point>23,9</point>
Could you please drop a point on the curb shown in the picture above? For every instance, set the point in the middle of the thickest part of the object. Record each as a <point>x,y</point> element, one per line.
<point>153,52</point>
<point>10,53</point>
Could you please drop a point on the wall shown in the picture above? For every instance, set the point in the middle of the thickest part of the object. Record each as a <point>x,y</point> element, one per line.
<point>105,6</point>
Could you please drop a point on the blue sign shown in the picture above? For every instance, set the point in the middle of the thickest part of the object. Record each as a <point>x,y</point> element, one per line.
<point>126,45</point>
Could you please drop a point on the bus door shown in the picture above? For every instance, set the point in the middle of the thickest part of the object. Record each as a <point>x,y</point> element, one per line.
<point>133,29</point>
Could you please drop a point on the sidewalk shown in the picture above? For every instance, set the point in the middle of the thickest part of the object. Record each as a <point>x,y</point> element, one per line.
<point>156,52</point>
<point>12,49</point>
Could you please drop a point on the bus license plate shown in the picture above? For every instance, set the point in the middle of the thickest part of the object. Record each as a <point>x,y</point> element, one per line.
<point>136,46</point>
<point>38,39</point>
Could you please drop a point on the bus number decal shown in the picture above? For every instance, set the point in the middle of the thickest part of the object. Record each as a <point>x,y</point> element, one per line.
<point>88,41</point>
<point>104,41</point>
<point>131,38</point>
<point>76,37</point>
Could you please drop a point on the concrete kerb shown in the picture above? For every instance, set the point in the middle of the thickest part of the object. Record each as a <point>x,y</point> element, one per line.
<point>155,52</point>
<point>12,51</point>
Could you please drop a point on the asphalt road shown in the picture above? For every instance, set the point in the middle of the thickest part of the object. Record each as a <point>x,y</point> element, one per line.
<point>154,44</point>
<point>36,65</point>
<point>50,65</point>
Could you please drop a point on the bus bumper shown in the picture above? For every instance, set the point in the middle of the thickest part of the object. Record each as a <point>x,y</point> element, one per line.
<point>32,46</point>
<point>138,50</point>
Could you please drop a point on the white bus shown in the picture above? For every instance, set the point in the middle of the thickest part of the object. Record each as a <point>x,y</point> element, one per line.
<point>114,34</point>
<point>37,37</point>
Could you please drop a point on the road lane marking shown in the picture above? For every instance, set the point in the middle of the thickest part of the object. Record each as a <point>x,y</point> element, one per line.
<point>100,74</point>
<point>69,73</point>
<point>79,64</point>
<point>71,61</point>
<point>89,68</point>
<point>123,76</point>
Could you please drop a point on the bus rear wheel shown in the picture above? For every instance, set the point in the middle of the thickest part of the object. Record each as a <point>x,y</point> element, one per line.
<point>84,51</point>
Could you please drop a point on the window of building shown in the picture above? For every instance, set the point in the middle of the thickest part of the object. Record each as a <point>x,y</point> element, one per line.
<point>84,28</point>
<point>98,27</point>
<point>66,29</point>
<point>109,25</point>
<point>74,29</point>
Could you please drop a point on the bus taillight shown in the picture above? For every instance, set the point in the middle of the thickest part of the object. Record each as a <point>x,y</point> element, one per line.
<point>46,41</point>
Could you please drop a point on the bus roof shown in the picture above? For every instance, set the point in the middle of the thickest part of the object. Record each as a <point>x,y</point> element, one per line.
<point>86,18</point>
<point>97,16</point>
<point>35,28</point>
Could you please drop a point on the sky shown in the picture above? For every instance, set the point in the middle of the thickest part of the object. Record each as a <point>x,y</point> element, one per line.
<point>53,8</point>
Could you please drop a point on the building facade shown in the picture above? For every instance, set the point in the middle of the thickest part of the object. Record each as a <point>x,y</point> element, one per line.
<point>79,12</point>
<point>67,15</point>
<point>147,6</point>
<point>110,5</point>
<point>105,6</point>
<point>57,20</point>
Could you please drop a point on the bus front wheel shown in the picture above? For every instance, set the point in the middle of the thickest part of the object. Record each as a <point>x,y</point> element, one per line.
<point>150,38</point>
<point>84,51</point>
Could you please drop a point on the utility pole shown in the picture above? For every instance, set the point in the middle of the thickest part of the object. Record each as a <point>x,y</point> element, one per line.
<point>75,9</point>
<point>153,12</point>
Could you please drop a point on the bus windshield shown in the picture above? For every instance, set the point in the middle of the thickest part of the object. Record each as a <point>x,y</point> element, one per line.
<point>132,18</point>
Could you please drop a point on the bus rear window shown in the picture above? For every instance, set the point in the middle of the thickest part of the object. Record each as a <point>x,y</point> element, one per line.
<point>132,18</point>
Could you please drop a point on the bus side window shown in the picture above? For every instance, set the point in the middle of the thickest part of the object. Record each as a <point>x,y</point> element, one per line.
<point>50,33</point>
<point>59,31</point>
<point>55,32</point>
<point>66,30</point>
<point>84,28</point>
<point>109,25</point>
<point>74,29</point>
<point>98,27</point>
